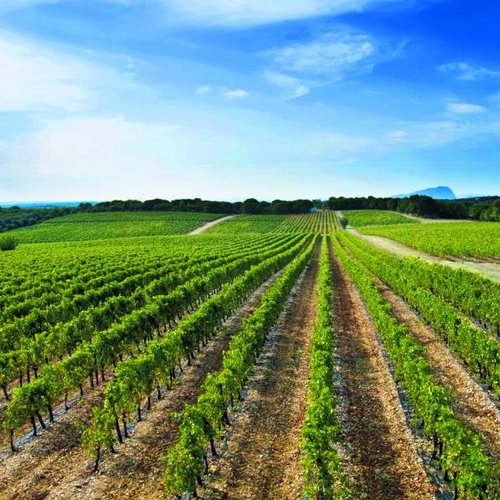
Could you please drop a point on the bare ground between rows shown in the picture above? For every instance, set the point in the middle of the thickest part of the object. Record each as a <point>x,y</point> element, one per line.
<point>471,404</point>
<point>43,461</point>
<point>262,458</point>
<point>55,466</point>
<point>136,470</point>
<point>488,268</point>
<point>383,461</point>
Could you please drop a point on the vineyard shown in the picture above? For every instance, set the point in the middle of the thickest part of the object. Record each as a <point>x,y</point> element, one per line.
<point>94,226</point>
<point>270,356</point>
<point>465,239</point>
<point>360,218</point>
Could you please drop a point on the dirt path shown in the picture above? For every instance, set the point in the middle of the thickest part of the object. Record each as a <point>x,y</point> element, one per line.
<point>423,220</point>
<point>203,228</point>
<point>383,460</point>
<point>55,466</point>
<point>472,405</point>
<point>262,459</point>
<point>487,269</point>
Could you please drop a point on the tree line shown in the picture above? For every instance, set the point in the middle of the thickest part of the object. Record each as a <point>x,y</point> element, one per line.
<point>249,206</point>
<point>16,217</point>
<point>485,209</point>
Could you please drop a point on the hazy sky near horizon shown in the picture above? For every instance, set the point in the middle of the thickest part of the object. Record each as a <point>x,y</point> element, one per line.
<point>227,99</point>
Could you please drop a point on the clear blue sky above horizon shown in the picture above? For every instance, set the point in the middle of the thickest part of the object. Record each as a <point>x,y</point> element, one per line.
<point>227,99</point>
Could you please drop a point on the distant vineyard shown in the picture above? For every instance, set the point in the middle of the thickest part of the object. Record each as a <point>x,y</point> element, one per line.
<point>360,218</point>
<point>248,224</point>
<point>467,239</point>
<point>319,222</point>
<point>93,226</point>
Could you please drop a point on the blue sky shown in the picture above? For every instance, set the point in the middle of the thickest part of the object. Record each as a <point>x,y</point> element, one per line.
<point>226,99</point>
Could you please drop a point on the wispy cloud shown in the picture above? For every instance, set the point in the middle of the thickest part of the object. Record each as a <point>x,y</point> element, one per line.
<point>203,90</point>
<point>398,135</point>
<point>243,13</point>
<point>469,72</point>
<point>231,13</point>
<point>329,58</point>
<point>231,94</point>
<point>461,108</point>
<point>340,147</point>
<point>235,94</point>
<point>34,77</point>
<point>335,55</point>
<point>293,87</point>
<point>428,134</point>
<point>21,4</point>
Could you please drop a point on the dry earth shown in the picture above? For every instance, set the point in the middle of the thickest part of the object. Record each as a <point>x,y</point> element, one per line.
<point>383,459</point>
<point>262,459</point>
<point>471,403</point>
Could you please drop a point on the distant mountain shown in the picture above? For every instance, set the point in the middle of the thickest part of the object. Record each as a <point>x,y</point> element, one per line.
<point>438,193</point>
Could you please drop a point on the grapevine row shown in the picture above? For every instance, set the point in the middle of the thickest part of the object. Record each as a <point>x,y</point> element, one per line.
<point>135,379</point>
<point>31,400</point>
<point>477,348</point>
<point>323,472</point>
<point>33,352</point>
<point>458,448</point>
<point>203,422</point>
<point>475,296</point>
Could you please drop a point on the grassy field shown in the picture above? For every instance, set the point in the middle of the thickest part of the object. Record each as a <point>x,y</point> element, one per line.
<point>93,226</point>
<point>467,239</point>
<point>361,218</point>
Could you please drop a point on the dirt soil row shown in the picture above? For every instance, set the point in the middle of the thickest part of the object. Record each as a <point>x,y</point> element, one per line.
<point>262,459</point>
<point>383,461</point>
<point>471,403</point>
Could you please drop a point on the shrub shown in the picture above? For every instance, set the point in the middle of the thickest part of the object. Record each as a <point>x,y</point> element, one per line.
<point>8,243</point>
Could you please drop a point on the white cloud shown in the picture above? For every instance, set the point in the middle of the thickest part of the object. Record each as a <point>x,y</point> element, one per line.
<point>398,135</point>
<point>329,58</point>
<point>232,13</point>
<point>203,90</point>
<point>231,94</point>
<point>32,79</point>
<point>426,134</point>
<point>335,54</point>
<point>461,108</point>
<point>20,4</point>
<point>106,157</point>
<point>235,94</point>
<point>469,72</point>
<point>236,13</point>
<point>38,78</point>
<point>337,145</point>
<point>293,87</point>
<point>96,147</point>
